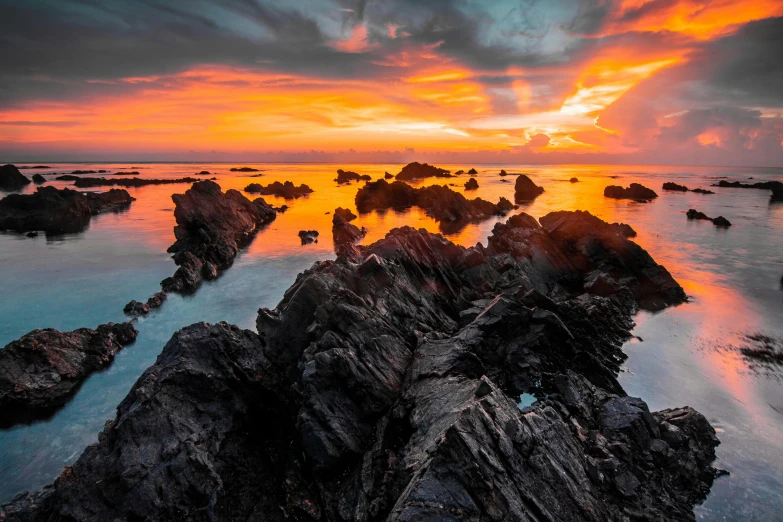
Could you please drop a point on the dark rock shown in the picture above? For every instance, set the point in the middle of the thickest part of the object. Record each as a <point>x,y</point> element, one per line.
<point>244,169</point>
<point>67,177</point>
<point>131,173</point>
<point>386,175</point>
<point>362,398</point>
<point>416,170</point>
<point>674,186</point>
<point>56,211</point>
<point>37,178</point>
<point>156,300</point>
<point>451,209</point>
<point>285,190</point>
<point>719,221</point>
<point>471,184</point>
<point>25,167</point>
<point>344,234</point>
<point>635,191</point>
<point>42,369</point>
<point>203,173</point>
<point>83,172</point>
<point>472,171</point>
<point>211,228</point>
<point>460,171</point>
<point>308,236</point>
<point>345,213</point>
<point>32,234</point>
<point>574,180</point>
<point>11,178</point>
<point>503,173</point>
<point>127,182</point>
<point>135,308</point>
<point>702,191</point>
<point>525,189</point>
<point>346,176</point>
<point>775,186</point>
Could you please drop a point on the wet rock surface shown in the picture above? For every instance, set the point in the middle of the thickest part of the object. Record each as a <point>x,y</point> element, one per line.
<point>384,387</point>
<point>211,228</point>
<point>11,178</point>
<point>346,176</point>
<point>57,211</point>
<point>416,170</point>
<point>125,182</point>
<point>634,191</point>
<point>525,189</point>
<point>451,209</point>
<point>41,370</point>
<point>285,190</point>
<point>719,221</point>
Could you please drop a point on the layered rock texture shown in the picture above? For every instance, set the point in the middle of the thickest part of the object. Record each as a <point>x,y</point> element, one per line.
<point>57,211</point>
<point>384,386</point>
<point>41,370</point>
<point>451,209</point>
<point>212,227</point>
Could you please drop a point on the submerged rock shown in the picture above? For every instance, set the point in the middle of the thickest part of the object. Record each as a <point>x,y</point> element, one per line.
<point>719,221</point>
<point>57,211</point>
<point>285,190</point>
<point>471,184</point>
<point>11,178</point>
<point>525,189</point>
<point>38,179</point>
<point>368,395</point>
<point>308,236</point>
<point>451,209</point>
<point>211,228</point>
<point>41,370</point>
<point>416,170</point>
<point>346,176</point>
<point>634,191</point>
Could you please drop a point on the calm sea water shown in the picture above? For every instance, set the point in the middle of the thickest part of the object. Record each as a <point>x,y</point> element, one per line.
<point>686,358</point>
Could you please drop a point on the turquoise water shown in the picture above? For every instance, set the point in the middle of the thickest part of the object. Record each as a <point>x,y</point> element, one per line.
<point>686,356</point>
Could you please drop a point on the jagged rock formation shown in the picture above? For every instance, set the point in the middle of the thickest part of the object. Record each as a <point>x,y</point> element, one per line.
<point>451,209</point>
<point>344,234</point>
<point>775,186</point>
<point>56,211</point>
<point>384,387</point>
<point>472,171</point>
<point>719,221</point>
<point>471,184</point>
<point>416,170</point>
<point>41,370</point>
<point>11,178</point>
<point>127,182</point>
<point>308,236</point>
<point>634,191</point>
<point>346,176</point>
<point>211,228</point>
<point>525,189</point>
<point>285,190</point>
<point>682,188</point>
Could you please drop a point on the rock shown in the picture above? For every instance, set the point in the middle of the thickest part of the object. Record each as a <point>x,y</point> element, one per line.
<point>83,172</point>
<point>308,236</point>
<point>719,221</point>
<point>451,209</point>
<point>460,171</point>
<point>132,173</point>
<point>472,171</point>
<point>67,177</point>
<point>471,184</point>
<point>211,228</point>
<point>416,170</point>
<point>41,370</point>
<point>635,191</point>
<point>574,180</point>
<point>503,173</point>
<point>135,308</point>
<point>156,300</point>
<point>362,398</point>
<point>525,189</point>
<point>702,191</point>
<point>203,173</point>
<point>344,234</point>
<point>127,182</point>
<point>285,190</point>
<point>386,175</point>
<point>24,167</point>
<point>346,176</point>
<point>674,186</point>
<point>244,169</point>
<point>775,186</point>
<point>345,213</point>
<point>624,230</point>
<point>32,234</point>
<point>38,179</point>
<point>11,178</point>
<point>57,211</point>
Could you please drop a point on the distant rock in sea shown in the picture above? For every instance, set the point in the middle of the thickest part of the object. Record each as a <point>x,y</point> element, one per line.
<point>127,182</point>
<point>775,186</point>
<point>11,178</point>
<point>471,184</point>
<point>308,236</point>
<point>416,170</point>
<point>574,180</point>
<point>244,169</point>
<point>635,191</point>
<point>285,190</point>
<point>682,188</point>
<point>525,189</point>
<point>346,176</point>
<point>472,171</point>
<point>38,179</point>
<point>719,221</point>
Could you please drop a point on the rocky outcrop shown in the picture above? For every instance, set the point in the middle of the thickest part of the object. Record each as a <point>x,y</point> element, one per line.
<point>386,175</point>
<point>416,170</point>
<point>635,191</point>
<point>472,172</point>
<point>471,184</point>
<point>57,211</point>
<point>308,236</point>
<point>719,221</point>
<point>285,190</point>
<point>11,178</point>
<point>38,179</point>
<point>525,189</point>
<point>574,180</point>
<point>682,188</point>
<point>503,173</point>
<point>41,370</point>
<point>775,186</point>
<point>128,182</point>
<point>346,176</point>
<point>211,228</point>
<point>344,234</point>
<point>384,387</point>
<point>451,209</point>
<point>345,213</point>
<point>244,169</point>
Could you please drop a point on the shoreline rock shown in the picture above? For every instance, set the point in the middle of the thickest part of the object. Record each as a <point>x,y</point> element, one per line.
<point>57,211</point>
<point>345,234</point>
<point>384,386</point>
<point>635,191</point>
<point>11,178</point>
<point>719,221</point>
<point>285,190</point>
<point>41,370</point>
<point>525,189</point>
<point>416,171</point>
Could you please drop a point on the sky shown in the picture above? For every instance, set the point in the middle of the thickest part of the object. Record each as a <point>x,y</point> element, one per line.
<point>679,82</point>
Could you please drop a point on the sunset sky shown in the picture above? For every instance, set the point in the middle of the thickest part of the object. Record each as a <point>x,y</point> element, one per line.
<point>556,81</point>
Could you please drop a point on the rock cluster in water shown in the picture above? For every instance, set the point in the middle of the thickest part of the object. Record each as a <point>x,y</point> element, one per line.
<point>719,221</point>
<point>634,191</point>
<point>775,186</point>
<point>126,182</point>
<point>682,188</point>
<point>416,170</point>
<point>346,176</point>
<point>384,386</point>
<point>308,236</point>
<point>525,189</point>
<point>244,169</point>
<point>211,228</point>
<point>11,178</point>
<point>41,370</point>
<point>285,190</point>
<point>57,211</point>
<point>451,209</point>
